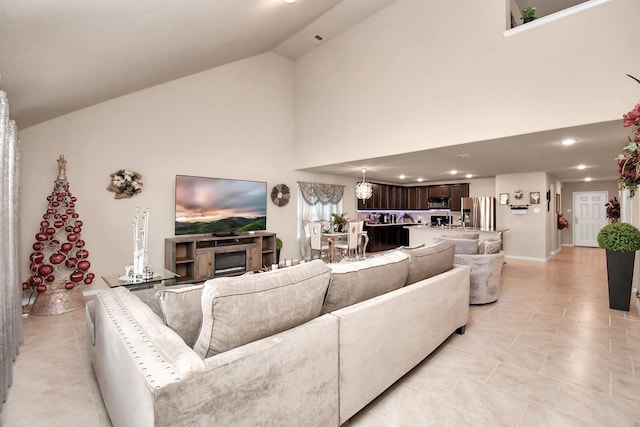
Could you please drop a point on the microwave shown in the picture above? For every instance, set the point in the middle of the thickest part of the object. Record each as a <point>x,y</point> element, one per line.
<point>438,203</point>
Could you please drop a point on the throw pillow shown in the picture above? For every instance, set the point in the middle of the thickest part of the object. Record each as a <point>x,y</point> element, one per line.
<point>429,261</point>
<point>181,311</point>
<point>463,246</point>
<point>352,282</point>
<point>491,245</point>
<point>243,309</point>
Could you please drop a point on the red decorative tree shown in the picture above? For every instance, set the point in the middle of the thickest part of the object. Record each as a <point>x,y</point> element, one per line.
<point>59,259</point>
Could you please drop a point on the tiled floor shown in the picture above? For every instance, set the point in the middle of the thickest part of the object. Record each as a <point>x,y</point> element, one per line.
<point>548,353</point>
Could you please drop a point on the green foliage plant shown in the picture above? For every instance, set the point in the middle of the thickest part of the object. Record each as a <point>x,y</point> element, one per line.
<point>528,13</point>
<point>278,243</point>
<point>619,237</point>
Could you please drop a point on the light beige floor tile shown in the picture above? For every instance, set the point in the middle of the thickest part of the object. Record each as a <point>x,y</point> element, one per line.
<point>487,403</point>
<point>538,414</point>
<point>466,363</point>
<point>591,405</point>
<point>525,383</point>
<point>514,356</point>
<point>603,361</point>
<point>577,373</point>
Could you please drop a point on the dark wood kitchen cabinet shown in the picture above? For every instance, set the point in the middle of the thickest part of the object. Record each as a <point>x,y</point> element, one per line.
<point>439,191</point>
<point>385,237</point>
<point>456,193</point>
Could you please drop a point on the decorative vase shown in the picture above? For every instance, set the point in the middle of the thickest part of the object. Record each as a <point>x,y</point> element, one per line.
<point>620,276</point>
<point>529,19</point>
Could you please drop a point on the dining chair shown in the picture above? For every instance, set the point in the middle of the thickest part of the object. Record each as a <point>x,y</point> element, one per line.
<point>350,245</point>
<point>315,240</point>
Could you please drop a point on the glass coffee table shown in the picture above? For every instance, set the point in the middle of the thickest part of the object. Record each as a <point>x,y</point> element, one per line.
<point>114,280</point>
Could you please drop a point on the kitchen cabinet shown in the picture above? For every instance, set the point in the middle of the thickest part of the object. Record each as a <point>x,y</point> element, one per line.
<point>438,191</point>
<point>395,197</point>
<point>456,193</point>
<point>385,237</point>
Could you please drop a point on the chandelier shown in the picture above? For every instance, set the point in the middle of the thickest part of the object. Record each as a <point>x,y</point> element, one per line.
<point>364,190</point>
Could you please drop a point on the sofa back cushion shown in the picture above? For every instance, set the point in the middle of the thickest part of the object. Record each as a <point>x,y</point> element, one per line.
<point>181,311</point>
<point>239,310</point>
<point>352,282</point>
<point>429,261</point>
<point>463,246</point>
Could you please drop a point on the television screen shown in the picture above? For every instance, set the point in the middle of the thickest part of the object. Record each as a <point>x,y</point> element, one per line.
<point>213,205</point>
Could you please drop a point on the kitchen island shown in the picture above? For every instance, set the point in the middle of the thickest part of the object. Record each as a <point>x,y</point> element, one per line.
<point>421,234</point>
<point>383,237</point>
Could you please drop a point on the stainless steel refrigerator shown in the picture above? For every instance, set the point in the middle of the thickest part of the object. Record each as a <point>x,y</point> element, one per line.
<point>479,213</point>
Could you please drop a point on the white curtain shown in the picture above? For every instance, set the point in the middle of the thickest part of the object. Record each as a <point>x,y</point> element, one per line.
<point>316,202</point>
<point>10,287</point>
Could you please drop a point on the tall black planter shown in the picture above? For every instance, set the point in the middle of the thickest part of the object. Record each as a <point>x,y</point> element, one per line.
<point>620,276</point>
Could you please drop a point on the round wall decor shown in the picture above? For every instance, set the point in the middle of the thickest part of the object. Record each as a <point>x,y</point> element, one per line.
<point>280,195</point>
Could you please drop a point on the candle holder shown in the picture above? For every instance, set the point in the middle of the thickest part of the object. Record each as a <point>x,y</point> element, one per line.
<point>140,270</point>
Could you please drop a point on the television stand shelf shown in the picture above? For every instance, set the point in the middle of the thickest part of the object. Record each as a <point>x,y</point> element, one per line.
<point>199,257</point>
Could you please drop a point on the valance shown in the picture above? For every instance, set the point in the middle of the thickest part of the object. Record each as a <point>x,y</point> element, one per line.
<point>313,193</point>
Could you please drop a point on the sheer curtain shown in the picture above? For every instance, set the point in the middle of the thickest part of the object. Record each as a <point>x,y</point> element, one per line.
<point>316,202</point>
<point>10,288</point>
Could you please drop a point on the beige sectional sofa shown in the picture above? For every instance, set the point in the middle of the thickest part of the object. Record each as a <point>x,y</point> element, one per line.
<point>307,345</point>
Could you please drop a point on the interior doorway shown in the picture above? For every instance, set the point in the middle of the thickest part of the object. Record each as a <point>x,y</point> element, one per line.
<point>589,216</point>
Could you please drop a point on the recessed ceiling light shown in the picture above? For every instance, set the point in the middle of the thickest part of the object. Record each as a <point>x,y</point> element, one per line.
<point>289,1</point>
<point>453,172</point>
<point>568,141</point>
<point>463,156</point>
<point>581,167</point>
<point>420,179</point>
<point>468,175</point>
<point>402,177</point>
<point>588,179</point>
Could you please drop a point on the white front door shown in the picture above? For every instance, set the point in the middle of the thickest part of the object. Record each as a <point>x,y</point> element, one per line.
<point>589,216</point>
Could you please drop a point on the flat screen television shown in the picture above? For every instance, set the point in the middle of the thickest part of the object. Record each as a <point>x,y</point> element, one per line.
<point>219,205</point>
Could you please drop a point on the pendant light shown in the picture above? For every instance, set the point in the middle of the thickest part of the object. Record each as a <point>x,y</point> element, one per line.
<point>364,189</point>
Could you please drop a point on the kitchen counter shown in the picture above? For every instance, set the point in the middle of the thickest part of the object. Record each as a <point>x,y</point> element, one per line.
<point>383,237</point>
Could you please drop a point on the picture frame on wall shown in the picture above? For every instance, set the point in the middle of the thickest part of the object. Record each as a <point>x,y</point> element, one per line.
<point>558,207</point>
<point>504,198</point>
<point>534,198</point>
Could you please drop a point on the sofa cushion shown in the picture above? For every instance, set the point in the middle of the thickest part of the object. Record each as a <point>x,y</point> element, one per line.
<point>463,246</point>
<point>239,310</point>
<point>429,261</point>
<point>181,311</point>
<point>352,282</point>
<point>490,246</point>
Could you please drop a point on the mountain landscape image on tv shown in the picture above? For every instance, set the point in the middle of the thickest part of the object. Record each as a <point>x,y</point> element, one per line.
<point>218,205</point>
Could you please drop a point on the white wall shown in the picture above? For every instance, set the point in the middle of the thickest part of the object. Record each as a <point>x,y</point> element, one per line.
<point>234,121</point>
<point>424,74</point>
<point>528,234</point>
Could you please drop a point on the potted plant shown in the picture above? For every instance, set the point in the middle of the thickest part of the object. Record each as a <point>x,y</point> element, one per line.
<point>528,14</point>
<point>278,249</point>
<point>621,241</point>
<point>339,220</point>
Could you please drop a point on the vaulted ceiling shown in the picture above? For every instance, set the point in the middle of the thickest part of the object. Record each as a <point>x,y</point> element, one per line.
<point>60,56</point>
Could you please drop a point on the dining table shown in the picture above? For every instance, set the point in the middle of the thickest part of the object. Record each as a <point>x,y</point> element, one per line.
<point>332,236</point>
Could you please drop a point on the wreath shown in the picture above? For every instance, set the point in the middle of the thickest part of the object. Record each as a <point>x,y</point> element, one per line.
<point>280,195</point>
<point>125,183</point>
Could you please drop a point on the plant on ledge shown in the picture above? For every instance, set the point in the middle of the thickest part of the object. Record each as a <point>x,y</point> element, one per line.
<point>613,210</point>
<point>629,159</point>
<point>528,14</point>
